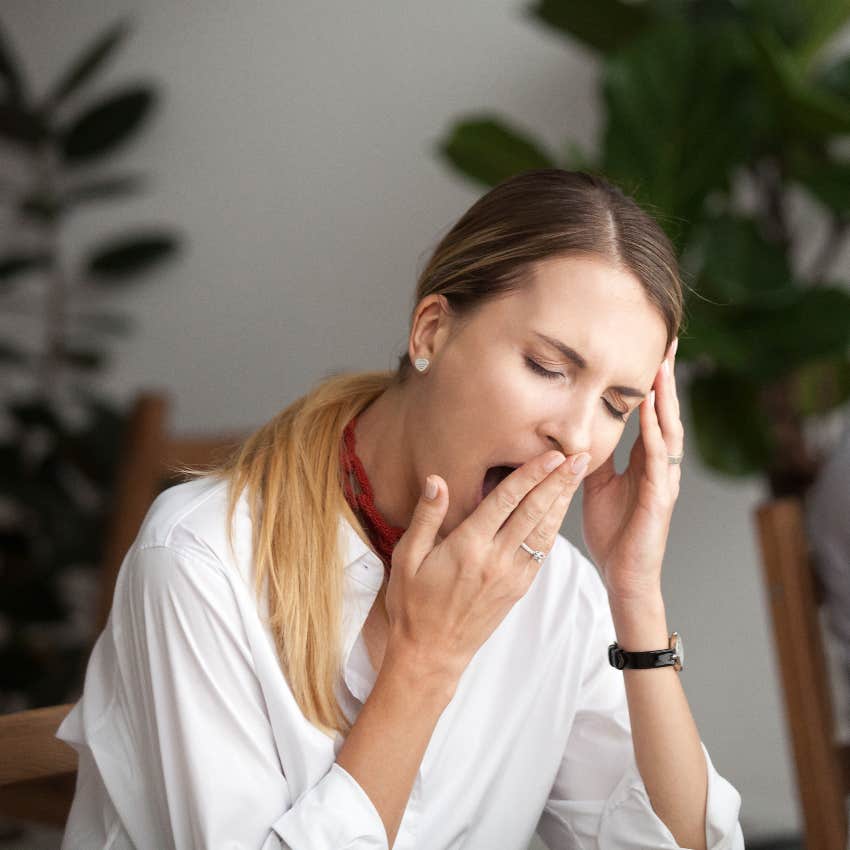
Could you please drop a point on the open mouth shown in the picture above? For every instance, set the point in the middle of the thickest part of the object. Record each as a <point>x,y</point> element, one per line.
<point>494,476</point>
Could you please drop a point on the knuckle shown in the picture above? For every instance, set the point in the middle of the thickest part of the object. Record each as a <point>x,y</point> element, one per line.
<point>419,519</point>
<point>546,532</point>
<point>535,512</point>
<point>508,499</point>
<point>490,573</point>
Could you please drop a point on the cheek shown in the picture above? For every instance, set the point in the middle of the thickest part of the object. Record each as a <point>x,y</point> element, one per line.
<point>605,440</point>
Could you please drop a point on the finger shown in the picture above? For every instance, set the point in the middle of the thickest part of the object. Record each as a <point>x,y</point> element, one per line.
<point>543,535</point>
<point>665,404</point>
<point>503,499</point>
<point>420,536</point>
<point>536,505</point>
<point>673,349</point>
<point>655,449</point>
<point>666,410</point>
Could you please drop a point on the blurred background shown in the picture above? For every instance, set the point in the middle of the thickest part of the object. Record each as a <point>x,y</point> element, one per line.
<point>224,203</point>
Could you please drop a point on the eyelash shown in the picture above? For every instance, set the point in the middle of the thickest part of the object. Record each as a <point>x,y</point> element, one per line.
<point>536,367</point>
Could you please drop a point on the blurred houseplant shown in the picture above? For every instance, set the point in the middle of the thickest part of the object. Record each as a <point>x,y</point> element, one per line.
<point>703,99</point>
<point>61,438</point>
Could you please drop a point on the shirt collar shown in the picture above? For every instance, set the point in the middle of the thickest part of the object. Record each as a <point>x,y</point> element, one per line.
<point>364,574</point>
<point>359,560</point>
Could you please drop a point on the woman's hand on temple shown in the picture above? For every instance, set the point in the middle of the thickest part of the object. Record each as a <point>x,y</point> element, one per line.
<point>626,517</point>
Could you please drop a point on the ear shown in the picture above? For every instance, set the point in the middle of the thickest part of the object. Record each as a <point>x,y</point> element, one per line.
<point>430,326</point>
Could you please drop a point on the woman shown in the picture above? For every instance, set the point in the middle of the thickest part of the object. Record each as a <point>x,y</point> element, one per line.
<point>392,645</point>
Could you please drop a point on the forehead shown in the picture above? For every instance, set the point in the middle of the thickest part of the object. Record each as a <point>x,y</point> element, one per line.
<point>592,305</point>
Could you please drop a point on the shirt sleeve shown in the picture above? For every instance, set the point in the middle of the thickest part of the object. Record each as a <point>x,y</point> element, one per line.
<point>207,771</point>
<point>598,800</point>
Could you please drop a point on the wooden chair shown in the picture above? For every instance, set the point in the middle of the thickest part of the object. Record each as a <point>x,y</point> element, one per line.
<point>795,594</point>
<point>37,770</point>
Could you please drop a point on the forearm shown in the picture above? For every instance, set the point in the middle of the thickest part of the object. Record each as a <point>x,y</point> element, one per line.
<point>386,744</point>
<point>667,745</point>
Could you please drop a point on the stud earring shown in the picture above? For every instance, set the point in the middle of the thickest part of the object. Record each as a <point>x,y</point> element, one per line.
<point>421,363</point>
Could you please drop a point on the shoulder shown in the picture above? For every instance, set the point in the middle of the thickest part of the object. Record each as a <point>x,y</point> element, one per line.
<point>191,519</point>
<point>182,550</point>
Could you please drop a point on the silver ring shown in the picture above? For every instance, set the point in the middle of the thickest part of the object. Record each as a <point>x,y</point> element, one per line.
<point>535,553</point>
<point>675,458</point>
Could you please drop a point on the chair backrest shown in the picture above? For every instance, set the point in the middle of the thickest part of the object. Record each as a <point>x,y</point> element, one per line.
<point>795,595</point>
<point>37,770</point>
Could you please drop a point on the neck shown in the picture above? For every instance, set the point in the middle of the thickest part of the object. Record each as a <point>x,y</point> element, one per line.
<point>383,447</point>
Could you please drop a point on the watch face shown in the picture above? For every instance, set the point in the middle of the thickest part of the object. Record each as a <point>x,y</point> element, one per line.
<point>679,648</point>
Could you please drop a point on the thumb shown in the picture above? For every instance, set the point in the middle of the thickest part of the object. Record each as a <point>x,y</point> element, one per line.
<point>420,536</point>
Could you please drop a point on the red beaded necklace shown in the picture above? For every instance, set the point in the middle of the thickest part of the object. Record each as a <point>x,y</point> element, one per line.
<point>358,494</point>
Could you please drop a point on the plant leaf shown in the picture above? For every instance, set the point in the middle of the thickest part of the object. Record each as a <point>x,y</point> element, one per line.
<point>36,413</point>
<point>603,25</point>
<point>11,72</point>
<point>105,126</point>
<point>88,62</point>
<point>820,386</point>
<point>116,324</point>
<point>10,354</point>
<point>802,108</point>
<point>786,19</point>
<point>823,19</point>
<point>738,265</point>
<point>18,263</point>
<point>826,179</point>
<point>487,149</point>
<point>733,434</point>
<point>86,359</point>
<point>105,188</point>
<point>765,341</point>
<point>21,126</point>
<point>128,256</point>
<point>40,207</point>
<point>673,135</point>
<point>836,78</point>
<point>578,159</point>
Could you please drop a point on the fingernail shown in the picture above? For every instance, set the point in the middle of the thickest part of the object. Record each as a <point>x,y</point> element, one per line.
<point>675,345</point>
<point>580,463</point>
<point>652,397</point>
<point>430,488</point>
<point>555,460</point>
<point>666,366</point>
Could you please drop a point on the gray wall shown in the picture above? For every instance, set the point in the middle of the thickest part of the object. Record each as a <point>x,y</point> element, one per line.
<point>295,149</point>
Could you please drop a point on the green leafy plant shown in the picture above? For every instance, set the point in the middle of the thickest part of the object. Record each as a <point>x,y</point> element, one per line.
<point>702,97</point>
<point>61,439</point>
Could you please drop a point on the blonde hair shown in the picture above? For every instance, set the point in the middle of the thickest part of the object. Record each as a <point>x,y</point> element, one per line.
<point>290,467</point>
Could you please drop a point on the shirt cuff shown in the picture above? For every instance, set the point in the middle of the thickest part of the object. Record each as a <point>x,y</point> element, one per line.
<point>629,821</point>
<point>335,814</point>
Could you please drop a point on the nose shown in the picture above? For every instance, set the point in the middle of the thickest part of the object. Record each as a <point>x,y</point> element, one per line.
<point>571,430</point>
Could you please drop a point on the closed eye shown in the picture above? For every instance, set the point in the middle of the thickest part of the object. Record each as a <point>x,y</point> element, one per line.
<point>619,415</point>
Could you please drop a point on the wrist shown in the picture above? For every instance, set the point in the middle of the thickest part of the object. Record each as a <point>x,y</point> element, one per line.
<point>640,623</point>
<point>431,678</point>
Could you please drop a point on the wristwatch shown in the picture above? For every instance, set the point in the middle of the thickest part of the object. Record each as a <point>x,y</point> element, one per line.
<point>673,656</point>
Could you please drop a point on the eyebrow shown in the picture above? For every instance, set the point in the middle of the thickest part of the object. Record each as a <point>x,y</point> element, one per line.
<point>574,357</point>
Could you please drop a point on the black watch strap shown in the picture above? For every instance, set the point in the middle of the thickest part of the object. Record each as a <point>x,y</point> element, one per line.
<point>623,660</point>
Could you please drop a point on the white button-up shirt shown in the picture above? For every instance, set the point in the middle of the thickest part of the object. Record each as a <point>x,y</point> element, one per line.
<point>189,737</point>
